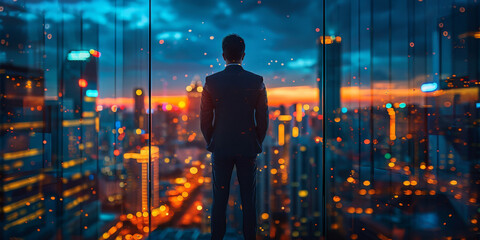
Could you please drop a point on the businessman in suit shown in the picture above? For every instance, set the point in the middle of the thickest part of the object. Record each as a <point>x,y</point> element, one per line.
<point>234,122</point>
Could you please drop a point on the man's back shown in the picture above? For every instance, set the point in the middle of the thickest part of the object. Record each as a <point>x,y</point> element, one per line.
<point>234,121</point>
<point>239,103</point>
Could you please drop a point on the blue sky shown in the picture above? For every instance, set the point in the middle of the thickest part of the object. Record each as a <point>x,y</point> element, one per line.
<point>280,38</point>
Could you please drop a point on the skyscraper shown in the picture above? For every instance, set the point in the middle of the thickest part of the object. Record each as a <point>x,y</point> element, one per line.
<point>136,165</point>
<point>22,106</point>
<point>139,108</point>
<point>194,94</point>
<point>333,77</point>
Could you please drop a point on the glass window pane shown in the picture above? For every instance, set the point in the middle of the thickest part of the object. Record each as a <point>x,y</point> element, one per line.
<point>373,118</point>
<point>402,164</point>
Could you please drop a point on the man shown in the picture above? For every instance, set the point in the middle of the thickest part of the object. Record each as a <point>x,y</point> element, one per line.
<point>234,121</point>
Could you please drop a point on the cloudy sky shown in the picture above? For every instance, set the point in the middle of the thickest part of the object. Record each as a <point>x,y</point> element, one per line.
<point>280,39</point>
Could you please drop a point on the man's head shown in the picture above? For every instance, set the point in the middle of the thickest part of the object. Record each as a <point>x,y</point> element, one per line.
<point>233,48</point>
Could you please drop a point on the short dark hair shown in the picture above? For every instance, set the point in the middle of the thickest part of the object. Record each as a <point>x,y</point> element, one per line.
<point>233,47</point>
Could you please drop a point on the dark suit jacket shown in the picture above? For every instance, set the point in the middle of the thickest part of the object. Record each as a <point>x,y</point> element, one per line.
<point>234,112</point>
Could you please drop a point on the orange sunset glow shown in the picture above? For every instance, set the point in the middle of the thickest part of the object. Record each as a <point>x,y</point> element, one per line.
<point>382,94</point>
<point>276,97</point>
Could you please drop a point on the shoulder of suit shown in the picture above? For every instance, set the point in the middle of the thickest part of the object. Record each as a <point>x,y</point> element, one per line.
<point>253,75</point>
<point>213,76</point>
<point>209,78</point>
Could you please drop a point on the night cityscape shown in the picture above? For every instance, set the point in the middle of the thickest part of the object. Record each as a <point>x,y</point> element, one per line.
<point>374,118</point>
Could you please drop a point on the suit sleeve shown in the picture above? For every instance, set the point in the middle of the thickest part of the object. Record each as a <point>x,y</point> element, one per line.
<point>206,113</point>
<point>261,113</point>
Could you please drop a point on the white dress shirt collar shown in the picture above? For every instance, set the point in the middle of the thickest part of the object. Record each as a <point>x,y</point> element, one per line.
<point>230,64</point>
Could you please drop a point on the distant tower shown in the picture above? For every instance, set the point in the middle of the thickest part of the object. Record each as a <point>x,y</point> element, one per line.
<point>194,95</point>
<point>139,108</point>
<point>136,165</point>
<point>333,75</point>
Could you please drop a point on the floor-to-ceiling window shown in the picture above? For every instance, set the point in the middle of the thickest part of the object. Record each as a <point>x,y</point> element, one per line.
<point>373,118</point>
<point>402,115</point>
<point>72,158</point>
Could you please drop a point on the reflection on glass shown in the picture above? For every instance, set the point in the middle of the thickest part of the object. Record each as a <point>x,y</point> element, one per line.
<point>401,113</point>
<point>402,144</point>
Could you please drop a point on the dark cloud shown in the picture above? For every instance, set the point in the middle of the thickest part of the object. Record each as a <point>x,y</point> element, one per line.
<point>273,30</point>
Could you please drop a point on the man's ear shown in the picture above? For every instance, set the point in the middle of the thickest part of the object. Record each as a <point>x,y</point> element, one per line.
<point>243,56</point>
<point>223,55</point>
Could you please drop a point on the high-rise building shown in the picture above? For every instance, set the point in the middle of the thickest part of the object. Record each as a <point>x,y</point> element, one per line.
<point>194,95</point>
<point>50,145</point>
<point>23,153</point>
<point>74,126</point>
<point>136,189</point>
<point>166,129</point>
<point>333,77</point>
<point>273,180</point>
<point>139,108</point>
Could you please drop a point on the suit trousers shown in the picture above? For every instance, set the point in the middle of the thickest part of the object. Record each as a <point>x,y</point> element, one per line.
<point>222,167</point>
